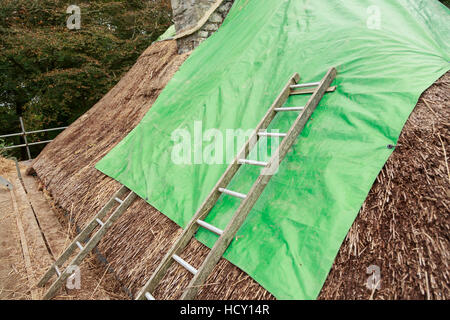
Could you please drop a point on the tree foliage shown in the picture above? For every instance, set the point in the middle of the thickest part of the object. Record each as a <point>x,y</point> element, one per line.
<point>51,75</point>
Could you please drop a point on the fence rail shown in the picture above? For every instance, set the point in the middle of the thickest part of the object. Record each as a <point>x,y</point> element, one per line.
<point>24,134</point>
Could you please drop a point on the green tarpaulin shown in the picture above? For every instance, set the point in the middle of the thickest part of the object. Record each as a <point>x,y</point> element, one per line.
<point>386,53</point>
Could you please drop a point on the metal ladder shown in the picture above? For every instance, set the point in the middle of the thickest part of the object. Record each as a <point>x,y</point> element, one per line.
<point>83,237</point>
<point>227,235</point>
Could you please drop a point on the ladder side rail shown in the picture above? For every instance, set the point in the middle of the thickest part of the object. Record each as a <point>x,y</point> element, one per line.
<point>81,237</point>
<point>258,187</point>
<point>90,245</point>
<point>215,194</point>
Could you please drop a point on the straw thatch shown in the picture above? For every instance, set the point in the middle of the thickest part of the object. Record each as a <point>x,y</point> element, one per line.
<point>403,226</point>
<point>6,165</point>
<point>139,240</point>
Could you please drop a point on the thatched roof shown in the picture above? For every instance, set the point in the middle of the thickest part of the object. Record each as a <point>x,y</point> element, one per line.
<point>402,226</point>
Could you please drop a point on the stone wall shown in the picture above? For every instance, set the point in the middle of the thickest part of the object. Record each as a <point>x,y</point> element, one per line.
<point>186,14</point>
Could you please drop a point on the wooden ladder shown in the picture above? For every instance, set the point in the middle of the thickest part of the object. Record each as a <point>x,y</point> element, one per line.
<point>248,200</point>
<point>120,205</point>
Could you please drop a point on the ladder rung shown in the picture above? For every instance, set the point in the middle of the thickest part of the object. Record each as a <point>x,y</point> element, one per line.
<point>149,296</point>
<point>100,222</point>
<point>311,90</point>
<point>79,245</point>
<point>233,193</point>
<point>271,134</point>
<point>290,109</point>
<point>210,227</point>
<point>253,162</point>
<point>57,271</point>
<point>85,242</point>
<point>305,85</point>
<point>185,265</point>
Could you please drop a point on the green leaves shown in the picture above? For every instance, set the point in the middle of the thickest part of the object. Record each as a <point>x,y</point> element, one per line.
<point>51,75</point>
